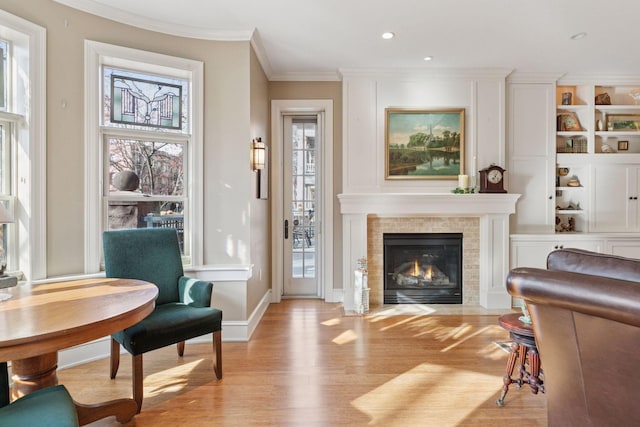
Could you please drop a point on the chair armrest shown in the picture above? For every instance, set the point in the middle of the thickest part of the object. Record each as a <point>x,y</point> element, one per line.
<point>193,292</point>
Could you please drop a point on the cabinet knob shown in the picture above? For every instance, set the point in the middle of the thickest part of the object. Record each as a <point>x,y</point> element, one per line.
<point>550,197</point>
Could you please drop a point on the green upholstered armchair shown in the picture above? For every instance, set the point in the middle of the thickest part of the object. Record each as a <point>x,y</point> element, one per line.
<point>182,309</point>
<point>51,406</point>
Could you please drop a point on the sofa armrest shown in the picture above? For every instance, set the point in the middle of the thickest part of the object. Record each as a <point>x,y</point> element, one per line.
<point>613,299</point>
<point>193,292</point>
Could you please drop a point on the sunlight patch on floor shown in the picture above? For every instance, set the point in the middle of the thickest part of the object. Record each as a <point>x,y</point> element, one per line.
<point>156,383</point>
<point>331,322</point>
<point>404,397</point>
<point>345,337</point>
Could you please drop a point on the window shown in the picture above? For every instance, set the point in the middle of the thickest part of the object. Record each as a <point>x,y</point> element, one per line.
<point>144,145</point>
<point>23,144</point>
<point>145,140</point>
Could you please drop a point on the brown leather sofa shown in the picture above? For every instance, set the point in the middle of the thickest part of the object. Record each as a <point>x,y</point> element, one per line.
<point>585,310</point>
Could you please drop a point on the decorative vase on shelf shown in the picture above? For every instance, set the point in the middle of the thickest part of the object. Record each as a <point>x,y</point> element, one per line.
<point>599,125</point>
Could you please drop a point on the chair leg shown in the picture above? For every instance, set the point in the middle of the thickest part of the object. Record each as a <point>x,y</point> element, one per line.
<point>181,348</point>
<point>217,347</point>
<point>115,357</point>
<point>138,389</point>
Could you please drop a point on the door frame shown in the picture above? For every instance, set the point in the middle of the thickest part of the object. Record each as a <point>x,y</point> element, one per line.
<point>324,234</point>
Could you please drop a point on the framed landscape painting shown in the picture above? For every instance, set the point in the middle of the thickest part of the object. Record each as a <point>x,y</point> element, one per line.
<point>424,144</point>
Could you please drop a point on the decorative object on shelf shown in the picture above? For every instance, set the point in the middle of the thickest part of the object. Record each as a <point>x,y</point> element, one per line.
<point>603,99</point>
<point>599,125</point>
<point>562,227</point>
<point>623,145</point>
<point>567,98</point>
<point>573,145</point>
<point>424,144</point>
<point>563,171</point>
<point>573,182</point>
<point>606,148</point>
<point>463,181</point>
<point>635,95</point>
<point>624,122</point>
<point>609,126</point>
<point>492,179</point>
<point>467,190</point>
<point>568,122</point>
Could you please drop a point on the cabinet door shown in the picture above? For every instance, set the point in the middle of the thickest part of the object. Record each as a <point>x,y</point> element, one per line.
<point>531,144</point>
<point>530,253</point>
<point>626,248</point>
<point>614,198</point>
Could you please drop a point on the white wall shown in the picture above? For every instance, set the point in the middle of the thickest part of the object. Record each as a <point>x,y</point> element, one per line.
<point>366,95</point>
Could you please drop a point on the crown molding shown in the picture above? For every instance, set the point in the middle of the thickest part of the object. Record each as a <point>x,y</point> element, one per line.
<point>451,73</point>
<point>329,76</point>
<point>534,77</point>
<point>139,21</point>
<point>600,79</point>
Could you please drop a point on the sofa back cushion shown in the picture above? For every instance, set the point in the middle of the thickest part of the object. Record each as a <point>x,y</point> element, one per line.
<point>594,263</point>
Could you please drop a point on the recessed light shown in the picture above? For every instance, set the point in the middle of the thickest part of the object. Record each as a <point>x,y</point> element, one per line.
<point>388,35</point>
<point>578,36</point>
<point>428,58</point>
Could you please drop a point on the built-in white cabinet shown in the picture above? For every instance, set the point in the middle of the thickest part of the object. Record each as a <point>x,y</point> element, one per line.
<point>616,189</point>
<point>532,250</point>
<point>531,154</point>
<point>574,155</point>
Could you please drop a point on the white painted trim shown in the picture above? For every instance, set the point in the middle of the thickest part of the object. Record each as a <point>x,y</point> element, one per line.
<point>31,190</point>
<point>278,109</point>
<point>221,273</point>
<point>232,331</point>
<point>97,53</point>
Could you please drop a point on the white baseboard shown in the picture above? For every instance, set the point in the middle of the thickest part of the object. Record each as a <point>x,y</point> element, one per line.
<point>232,331</point>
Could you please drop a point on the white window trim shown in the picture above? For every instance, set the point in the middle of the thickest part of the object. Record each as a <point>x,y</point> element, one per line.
<point>95,52</point>
<point>30,186</point>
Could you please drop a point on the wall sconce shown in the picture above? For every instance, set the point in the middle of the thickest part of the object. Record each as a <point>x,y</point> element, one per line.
<point>257,154</point>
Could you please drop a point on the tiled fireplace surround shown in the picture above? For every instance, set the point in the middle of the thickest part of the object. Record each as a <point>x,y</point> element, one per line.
<point>468,226</point>
<point>483,219</point>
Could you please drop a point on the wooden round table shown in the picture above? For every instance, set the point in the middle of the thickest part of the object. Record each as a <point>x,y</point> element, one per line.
<point>522,349</point>
<point>38,320</point>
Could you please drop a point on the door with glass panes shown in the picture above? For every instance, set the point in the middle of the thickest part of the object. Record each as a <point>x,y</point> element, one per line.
<point>301,139</point>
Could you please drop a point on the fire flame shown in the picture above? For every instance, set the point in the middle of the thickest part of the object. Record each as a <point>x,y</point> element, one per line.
<point>418,273</point>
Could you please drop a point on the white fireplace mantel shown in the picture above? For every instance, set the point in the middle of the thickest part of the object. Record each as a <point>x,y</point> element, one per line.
<point>399,204</point>
<point>492,209</point>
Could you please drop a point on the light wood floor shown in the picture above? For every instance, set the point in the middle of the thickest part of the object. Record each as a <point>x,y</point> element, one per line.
<point>309,365</point>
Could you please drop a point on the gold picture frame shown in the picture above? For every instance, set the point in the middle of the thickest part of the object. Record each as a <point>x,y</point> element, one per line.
<point>624,122</point>
<point>424,144</point>
<point>568,122</point>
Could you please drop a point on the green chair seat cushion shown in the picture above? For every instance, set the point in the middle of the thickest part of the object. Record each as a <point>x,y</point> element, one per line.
<point>49,407</point>
<point>168,324</point>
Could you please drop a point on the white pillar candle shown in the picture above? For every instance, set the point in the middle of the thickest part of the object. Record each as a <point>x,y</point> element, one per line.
<point>463,181</point>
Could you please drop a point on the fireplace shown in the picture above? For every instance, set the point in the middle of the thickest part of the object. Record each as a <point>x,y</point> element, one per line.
<point>422,268</point>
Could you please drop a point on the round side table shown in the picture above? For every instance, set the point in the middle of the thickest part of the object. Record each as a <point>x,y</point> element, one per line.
<point>523,350</point>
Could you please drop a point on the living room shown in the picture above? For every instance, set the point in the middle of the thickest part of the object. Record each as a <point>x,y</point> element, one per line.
<point>509,108</point>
